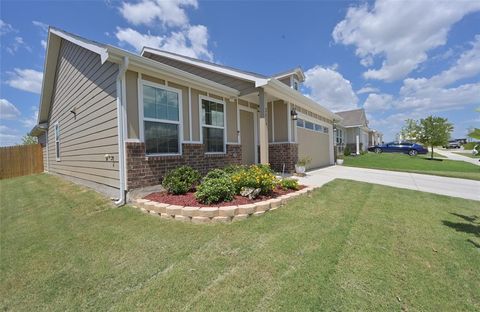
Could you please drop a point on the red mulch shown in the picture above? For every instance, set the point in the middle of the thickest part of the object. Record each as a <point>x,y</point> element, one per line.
<point>189,198</point>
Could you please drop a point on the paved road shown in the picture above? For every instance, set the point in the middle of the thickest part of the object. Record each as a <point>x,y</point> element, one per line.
<point>454,156</point>
<point>463,188</point>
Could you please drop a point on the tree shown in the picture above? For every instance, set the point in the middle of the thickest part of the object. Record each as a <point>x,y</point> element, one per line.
<point>28,139</point>
<point>434,131</point>
<point>409,131</point>
<point>475,134</point>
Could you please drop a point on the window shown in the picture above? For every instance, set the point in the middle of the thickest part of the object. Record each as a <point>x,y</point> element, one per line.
<point>309,125</point>
<point>339,136</point>
<point>295,84</point>
<point>161,120</point>
<point>57,141</point>
<point>213,125</point>
<point>325,130</point>
<point>318,128</point>
<point>300,123</point>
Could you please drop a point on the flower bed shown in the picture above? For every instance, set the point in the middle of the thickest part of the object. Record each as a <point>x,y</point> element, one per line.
<point>189,198</point>
<point>231,194</point>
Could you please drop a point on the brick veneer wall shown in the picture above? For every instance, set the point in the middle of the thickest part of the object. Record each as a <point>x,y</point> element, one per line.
<point>146,171</point>
<point>283,153</point>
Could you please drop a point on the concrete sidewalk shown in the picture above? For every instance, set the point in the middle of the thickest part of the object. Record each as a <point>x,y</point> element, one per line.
<point>463,188</point>
<point>454,156</point>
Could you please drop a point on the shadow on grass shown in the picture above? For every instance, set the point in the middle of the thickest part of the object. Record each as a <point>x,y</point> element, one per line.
<point>471,219</point>
<point>464,227</point>
<point>473,243</point>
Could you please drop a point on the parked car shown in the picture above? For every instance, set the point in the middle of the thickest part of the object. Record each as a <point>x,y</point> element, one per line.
<point>453,144</point>
<point>409,148</point>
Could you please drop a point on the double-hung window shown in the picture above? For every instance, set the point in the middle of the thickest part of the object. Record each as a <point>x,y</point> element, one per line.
<point>57,141</point>
<point>161,119</point>
<point>213,125</point>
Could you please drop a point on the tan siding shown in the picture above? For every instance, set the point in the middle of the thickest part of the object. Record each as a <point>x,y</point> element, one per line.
<point>314,145</point>
<point>153,79</point>
<point>88,88</point>
<point>280,112</point>
<point>131,86</point>
<point>205,73</point>
<point>232,122</point>
<point>286,80</point>
<point>196,114</point>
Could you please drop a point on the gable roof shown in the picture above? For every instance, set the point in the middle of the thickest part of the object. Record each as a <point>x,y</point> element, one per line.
<point>294,71</point>
<point>353,118</point>
<point>138,62</point>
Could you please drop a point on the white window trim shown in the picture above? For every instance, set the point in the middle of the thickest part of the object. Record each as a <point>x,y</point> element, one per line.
<point>57,140</point>
<point>142,119</point>
<point>207,98</point>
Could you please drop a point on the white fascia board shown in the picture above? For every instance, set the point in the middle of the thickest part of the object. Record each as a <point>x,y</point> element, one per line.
<point>281,90</point>
<point>149,65</point>
<point>102,51</point>
<point>230,72</point>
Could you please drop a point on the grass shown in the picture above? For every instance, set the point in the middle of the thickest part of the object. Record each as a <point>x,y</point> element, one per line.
<point>403,162</point>
<point>375,248</point>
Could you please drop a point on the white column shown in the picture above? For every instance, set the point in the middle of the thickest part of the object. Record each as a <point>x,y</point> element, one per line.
<point>358,144</point>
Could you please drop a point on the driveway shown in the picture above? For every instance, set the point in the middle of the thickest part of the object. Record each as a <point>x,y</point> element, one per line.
<point>463,188</point>
<point>454,156</point>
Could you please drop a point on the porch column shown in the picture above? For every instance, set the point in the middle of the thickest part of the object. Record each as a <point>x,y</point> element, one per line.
<point>263,127</point>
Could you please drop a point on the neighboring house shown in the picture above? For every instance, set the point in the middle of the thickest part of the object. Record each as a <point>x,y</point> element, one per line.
<point>374,137</point>
<point>352,129</point>
<point>117,121</point>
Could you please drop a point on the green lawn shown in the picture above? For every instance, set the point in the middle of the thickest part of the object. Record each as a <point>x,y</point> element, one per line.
<point>351,247</point>
<point>417,164</point>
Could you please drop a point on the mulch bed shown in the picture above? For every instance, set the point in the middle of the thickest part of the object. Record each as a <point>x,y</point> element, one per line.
<point>190,200</point>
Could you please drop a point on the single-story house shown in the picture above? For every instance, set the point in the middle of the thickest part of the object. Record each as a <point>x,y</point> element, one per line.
<point>116,121</point>
<point>375,137</point>
<point>352,130</point>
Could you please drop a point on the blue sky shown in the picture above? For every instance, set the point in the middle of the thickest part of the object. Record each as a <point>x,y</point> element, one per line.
<point>397,59</point>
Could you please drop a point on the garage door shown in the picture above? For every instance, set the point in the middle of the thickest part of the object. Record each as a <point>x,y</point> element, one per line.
<point>314,145</point>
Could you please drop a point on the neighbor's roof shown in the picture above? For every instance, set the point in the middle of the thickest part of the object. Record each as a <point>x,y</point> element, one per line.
<point>297,70</point>
<point>353,118</point>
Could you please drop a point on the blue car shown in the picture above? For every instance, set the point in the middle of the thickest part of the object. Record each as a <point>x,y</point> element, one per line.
<point>411,149</point>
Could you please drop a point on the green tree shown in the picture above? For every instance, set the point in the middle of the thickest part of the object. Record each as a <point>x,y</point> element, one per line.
<point>434,131</point>
<point>410,130</point>
<point>28,139</point>
<point>475,134</point>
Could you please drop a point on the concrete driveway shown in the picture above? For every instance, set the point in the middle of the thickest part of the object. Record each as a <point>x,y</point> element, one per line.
<point>455,156</point>
<point>463,188</point>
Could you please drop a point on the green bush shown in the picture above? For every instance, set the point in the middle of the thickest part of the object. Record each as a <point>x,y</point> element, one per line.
<point>469,145</point>
<point>255,176</point>
<point>289,184</point>
<point>232,169</point>
<point>215,190</point>
<point>215,174</point>
<point>347,151</point>
<point>181,180</point>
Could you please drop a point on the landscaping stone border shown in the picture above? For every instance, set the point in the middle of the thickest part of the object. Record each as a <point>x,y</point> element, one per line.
<point>225,214</point>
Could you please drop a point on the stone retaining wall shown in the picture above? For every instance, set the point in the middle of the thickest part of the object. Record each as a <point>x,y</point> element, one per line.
<point>214,214</point>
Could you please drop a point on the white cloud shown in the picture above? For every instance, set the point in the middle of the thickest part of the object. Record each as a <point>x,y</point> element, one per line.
<point>8,136</point>
<point>378,102</point>
<point>31,121</point>
<point>400,32</point>
<point>330,89</point>
<point>28,80</point>
<point>5,28</point>
<point>192,41</point>
<point>43,43</point>
<point>8,110</point>
<point>368,89</point>
<point>44,30</point>
<point>170,13</point>
<point>17,44</point>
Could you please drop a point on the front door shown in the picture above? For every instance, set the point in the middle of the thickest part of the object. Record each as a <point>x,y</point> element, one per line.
<point>247,137</point>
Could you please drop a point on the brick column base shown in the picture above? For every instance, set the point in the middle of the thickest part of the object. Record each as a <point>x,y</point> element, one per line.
<point>281,154</point>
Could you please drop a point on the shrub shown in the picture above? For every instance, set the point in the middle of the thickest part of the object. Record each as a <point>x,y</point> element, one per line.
<point>215,174</point>
<point>304,161</point>
<point>347,151</point>
<point>232,169</point>
<point>255,176</point>
<point>469,145</point>
<point>215,190</point>
<point>181,180</point>
<point>289,184</point>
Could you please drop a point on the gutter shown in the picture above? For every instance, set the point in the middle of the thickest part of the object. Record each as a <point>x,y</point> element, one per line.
<point>121,128</point>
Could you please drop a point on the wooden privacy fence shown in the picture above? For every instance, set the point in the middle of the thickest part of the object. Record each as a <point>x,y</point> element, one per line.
<point>20,160</point>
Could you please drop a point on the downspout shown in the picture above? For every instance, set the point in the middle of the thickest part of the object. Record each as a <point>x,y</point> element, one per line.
<point>121,129</point>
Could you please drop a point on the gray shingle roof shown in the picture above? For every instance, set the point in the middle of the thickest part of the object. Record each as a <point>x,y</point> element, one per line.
<point>352,118</point>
